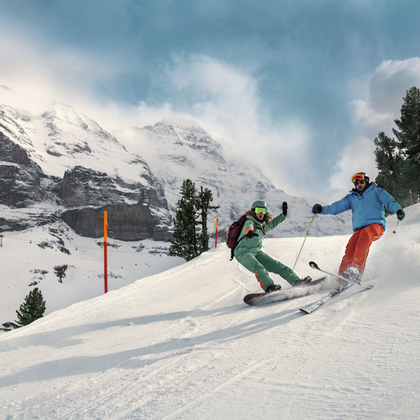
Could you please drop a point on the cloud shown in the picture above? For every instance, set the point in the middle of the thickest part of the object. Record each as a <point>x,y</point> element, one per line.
<point>39,75</point>
<point>384,93</point>
<point>217,92</point>
<point>380,105</point>
<point>390,81</point>
<point>355,157</point>
<point>228,103</point>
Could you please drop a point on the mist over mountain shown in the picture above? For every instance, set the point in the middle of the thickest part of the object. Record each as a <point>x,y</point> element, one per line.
<point>176,149</point>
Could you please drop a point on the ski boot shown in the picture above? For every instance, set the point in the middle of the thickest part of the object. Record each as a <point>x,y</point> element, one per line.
<point>272,288</point>
<point>342,284</point>
<point>305,280</point>
<point>352,273</point>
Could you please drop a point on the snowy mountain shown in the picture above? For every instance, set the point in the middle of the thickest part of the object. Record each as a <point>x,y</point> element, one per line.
<point>61,163</point>
<point>177,149</point>
<point>182,345</point>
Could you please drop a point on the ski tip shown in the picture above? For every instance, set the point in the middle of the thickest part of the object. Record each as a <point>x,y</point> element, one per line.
<point>313,264</point>
<point>252,298</point>
<point>305,311</point>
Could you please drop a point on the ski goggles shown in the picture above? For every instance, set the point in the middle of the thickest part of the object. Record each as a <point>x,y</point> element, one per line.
<point>358,179</point>
<point>262,210</point>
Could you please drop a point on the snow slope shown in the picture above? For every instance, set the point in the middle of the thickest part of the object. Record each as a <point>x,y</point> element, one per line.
<point>182,345</point>
<point>29,257</point>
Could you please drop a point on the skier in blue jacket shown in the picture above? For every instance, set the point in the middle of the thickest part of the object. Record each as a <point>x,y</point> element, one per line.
<point>366,201</point>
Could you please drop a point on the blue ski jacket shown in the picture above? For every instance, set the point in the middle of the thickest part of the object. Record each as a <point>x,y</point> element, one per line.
<point>367,208</point>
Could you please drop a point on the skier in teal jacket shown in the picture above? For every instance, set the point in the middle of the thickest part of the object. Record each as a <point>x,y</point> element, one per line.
<point>248,251</point>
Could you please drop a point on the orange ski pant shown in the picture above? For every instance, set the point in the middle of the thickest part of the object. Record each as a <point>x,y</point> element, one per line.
<point>358,246</point>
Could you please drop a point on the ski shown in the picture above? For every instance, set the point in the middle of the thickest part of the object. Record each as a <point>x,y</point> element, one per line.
<point>308,309</point>
<point>314,265</point>
<point>283,294</point>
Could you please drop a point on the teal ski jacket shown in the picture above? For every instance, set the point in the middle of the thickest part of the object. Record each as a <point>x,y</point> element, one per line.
<point>254,244</point>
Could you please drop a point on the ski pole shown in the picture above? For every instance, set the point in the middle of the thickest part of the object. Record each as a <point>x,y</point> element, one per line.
<point>307,233</point>
<point>395,230</point>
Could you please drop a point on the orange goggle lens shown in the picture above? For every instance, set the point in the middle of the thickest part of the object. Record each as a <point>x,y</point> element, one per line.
<point>358,177</point>
<point>262,210</point>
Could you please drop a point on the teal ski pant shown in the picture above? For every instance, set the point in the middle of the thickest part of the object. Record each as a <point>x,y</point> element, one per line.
<point>261,264</point>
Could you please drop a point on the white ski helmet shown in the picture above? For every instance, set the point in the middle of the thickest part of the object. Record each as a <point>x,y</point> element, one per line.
<point>258,204</point>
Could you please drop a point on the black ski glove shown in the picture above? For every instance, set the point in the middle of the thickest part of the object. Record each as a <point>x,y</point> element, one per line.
<point>400,214</point>
<point>251,234</point>
<point>284,208</point>
<point>317,208</point>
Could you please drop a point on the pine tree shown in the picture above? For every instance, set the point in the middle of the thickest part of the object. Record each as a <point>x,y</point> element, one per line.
<point>388,161</point>
<point>204,199</point>
<point>408,134</point>
<point>32,308</point>
<point>188,241</point>
<point>409,141</point>
<point>398,159</point>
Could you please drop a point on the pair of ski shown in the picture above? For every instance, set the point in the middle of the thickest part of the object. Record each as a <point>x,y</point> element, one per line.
<point>346,283</point>
<point>256,298</point>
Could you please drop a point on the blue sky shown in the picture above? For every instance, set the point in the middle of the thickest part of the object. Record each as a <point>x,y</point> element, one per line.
<point>300,87</point>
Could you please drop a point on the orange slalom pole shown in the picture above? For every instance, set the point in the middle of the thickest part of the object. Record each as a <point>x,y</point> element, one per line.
<point>411,196</point>
<point>106,251</point>
<point>215,240</point>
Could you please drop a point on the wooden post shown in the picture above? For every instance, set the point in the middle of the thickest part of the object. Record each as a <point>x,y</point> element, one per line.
<point>411,196</point>
<point>106,251</point>
<point>215,240</point>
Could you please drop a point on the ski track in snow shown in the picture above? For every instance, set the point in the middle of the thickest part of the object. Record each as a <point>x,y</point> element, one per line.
<point>183,345</point>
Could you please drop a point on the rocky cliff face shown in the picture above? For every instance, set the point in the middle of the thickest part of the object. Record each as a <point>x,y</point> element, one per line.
<point>81,187</point>
<point>22,182</point>
<point>87,189</point>
<point>125,222</point>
